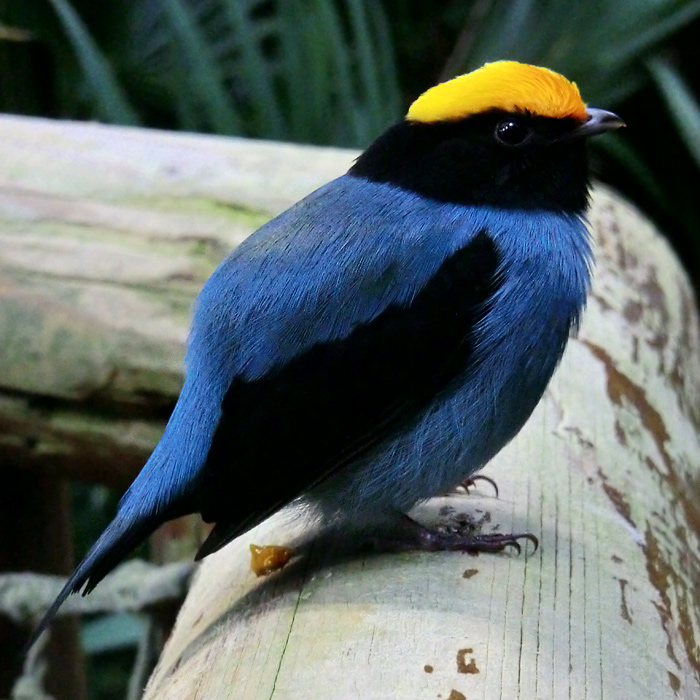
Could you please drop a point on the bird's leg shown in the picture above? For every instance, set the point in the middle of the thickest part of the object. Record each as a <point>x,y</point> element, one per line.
<point>469,482</point>
<point>411,535</point>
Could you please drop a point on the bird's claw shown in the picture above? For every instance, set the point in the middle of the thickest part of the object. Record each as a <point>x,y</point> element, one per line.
<point>491,542</point>
<point>469,482</point>
<point>497,542</point>
<point>414,536</point>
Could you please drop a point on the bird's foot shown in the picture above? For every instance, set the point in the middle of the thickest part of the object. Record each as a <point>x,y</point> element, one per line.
<point>470,483</point>
<point>412,536</point>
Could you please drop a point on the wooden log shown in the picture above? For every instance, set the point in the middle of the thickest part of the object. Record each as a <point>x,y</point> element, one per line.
<point>605,473</point>
<point>106,235</point>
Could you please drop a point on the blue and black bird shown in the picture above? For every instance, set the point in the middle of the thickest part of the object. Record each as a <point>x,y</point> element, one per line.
<point>385,337</point>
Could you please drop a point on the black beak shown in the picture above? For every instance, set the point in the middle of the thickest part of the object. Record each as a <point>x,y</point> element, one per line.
<point>599,121</point>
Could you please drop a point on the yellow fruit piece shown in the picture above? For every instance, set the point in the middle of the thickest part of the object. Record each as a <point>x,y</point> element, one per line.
<point>268,558</point>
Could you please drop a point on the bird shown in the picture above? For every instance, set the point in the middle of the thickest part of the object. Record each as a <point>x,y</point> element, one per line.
<point>383,338</point>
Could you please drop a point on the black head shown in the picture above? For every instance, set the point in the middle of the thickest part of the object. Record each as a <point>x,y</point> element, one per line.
<point>497,158</point>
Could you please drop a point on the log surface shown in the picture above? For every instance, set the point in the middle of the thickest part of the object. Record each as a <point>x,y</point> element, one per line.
<point>106,236</point>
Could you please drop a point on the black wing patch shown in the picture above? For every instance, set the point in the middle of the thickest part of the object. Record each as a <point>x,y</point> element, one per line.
<point>282,433</point>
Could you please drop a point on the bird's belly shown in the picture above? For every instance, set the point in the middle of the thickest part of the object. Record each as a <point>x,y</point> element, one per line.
<point>463,429</point>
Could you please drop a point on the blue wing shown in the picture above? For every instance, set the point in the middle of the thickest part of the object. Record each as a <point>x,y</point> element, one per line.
<point>333,261</point>
<point>332,327</point>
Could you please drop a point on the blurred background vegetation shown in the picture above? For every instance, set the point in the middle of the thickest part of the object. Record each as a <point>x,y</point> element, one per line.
<point>338,72</point>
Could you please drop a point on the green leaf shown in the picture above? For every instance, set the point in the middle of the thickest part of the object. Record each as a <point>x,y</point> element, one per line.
<point>386,62</point>
<point>254,66</point>
<point>348,129</point>
<point>367,68</point>
<point>110,101</point>
<point>682,105</point>
<point>656,29</point>
<point>204,80</point>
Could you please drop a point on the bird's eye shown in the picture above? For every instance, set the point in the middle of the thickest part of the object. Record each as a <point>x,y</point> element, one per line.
<point>511,132</point>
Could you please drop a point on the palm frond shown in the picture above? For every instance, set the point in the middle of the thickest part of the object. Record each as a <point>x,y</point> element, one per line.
<point>111,103</point>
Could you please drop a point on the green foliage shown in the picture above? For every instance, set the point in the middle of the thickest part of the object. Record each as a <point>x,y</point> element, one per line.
<point>302,70</point>
<point>680,101</point>
<point>601,44</point>
<point>108,97</point>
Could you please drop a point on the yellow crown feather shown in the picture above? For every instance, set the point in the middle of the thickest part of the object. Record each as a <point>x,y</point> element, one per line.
<point>506,85</point>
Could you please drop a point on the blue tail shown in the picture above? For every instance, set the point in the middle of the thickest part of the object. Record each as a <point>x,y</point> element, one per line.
<point>162,491</point>
<point>121,536</point>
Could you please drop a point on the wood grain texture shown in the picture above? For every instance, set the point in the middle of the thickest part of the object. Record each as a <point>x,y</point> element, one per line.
<point>606,474</point>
